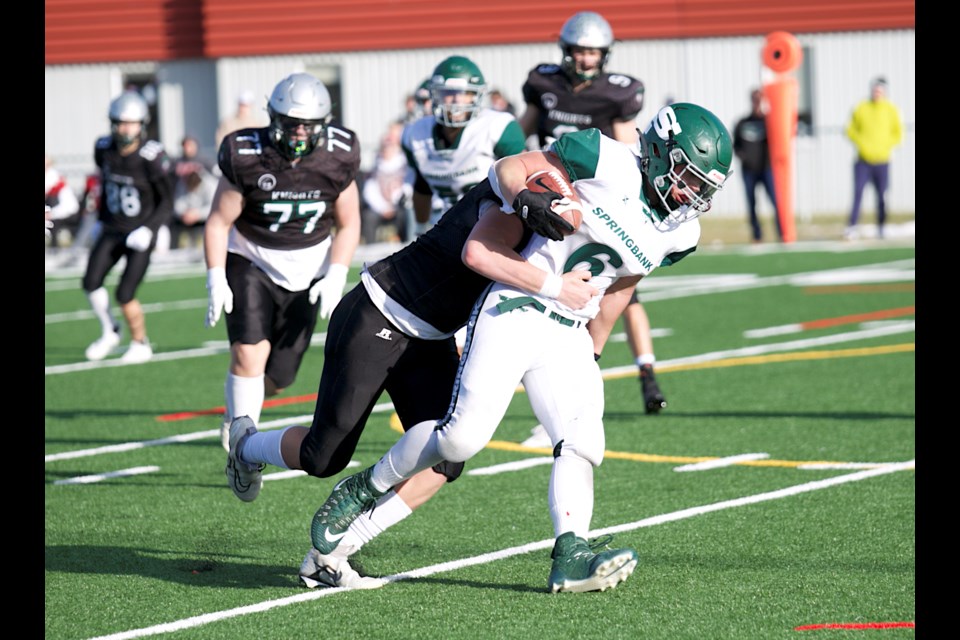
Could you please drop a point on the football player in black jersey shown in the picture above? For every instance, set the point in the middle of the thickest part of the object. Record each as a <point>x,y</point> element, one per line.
<point>393,332</point>
<point>137,199</point>
<point>578,94</point>
<point>270,253</point>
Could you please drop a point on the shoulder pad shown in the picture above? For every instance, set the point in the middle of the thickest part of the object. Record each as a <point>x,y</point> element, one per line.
<point>623,80</point>
<point>151,149</point>
<point>548,69</point>
<point>104,142</point>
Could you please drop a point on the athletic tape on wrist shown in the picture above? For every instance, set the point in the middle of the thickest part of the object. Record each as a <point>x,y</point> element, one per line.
<point>551,286</point>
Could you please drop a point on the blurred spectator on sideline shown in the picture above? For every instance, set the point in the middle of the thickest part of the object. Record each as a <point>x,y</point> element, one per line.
<point>751,146</point>
<point>245,117</point>
<point>387,190</point>
<point>875,128</point>
<point>499,102</point>
<point>192,198</point>
<point>62,211</point>
<point>192,175</point>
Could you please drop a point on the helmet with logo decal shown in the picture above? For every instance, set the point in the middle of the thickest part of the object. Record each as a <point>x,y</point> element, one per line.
<point>456,88</point>
<point>299,100</point>
<point>590,31</point>
<point>129,106</point>
<point>686,155</point>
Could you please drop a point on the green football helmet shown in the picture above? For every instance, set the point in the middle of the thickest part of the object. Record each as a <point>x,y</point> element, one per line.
<point>129,106</point>
<point>685,143</point>
<point>298,100</point>
<point>454,76</point>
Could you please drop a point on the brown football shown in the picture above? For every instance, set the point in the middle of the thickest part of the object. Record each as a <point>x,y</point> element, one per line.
<point>569,209</point>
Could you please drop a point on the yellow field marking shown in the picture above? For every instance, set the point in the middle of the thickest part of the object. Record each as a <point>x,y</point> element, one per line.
<point>503,445</point>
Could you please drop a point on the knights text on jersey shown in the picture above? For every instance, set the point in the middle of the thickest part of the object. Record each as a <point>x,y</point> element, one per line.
<point>285,205</point>
<point>137,189</point>
<point>621,235</point>
<point>451,172</point>
<point>608,97</point>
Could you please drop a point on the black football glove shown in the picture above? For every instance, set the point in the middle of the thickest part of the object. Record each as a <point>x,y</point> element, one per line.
<point>534,209</point>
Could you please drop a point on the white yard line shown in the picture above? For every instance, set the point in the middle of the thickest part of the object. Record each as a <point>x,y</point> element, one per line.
<point>197,621</point>
<point>122,473</point>
<point>718,463</point>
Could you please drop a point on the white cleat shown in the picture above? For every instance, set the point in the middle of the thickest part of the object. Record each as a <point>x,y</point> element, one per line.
<point>333,570</point>
<point>137,352</point>
<point>102,346</point>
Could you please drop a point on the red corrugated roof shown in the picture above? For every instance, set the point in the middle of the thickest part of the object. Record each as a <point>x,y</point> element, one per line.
<point>85,31</point>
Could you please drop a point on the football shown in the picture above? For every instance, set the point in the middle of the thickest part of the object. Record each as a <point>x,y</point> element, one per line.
<point>570,208</point>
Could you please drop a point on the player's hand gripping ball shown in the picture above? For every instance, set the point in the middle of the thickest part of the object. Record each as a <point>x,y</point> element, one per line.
<point>569,206</point>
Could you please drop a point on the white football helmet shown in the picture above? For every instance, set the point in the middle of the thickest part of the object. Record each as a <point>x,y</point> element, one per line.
<point>298,100</point>
<point>590,31</point>
<point>129,106</point>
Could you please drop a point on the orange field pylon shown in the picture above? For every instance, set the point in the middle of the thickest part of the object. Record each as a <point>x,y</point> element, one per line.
<point>782,54</point>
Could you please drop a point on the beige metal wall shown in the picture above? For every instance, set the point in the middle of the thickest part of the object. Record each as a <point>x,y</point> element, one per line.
<point>715,72</point>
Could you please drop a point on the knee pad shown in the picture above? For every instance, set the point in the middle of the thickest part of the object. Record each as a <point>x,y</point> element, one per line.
<point>451,470</point>
<point>592,452</point>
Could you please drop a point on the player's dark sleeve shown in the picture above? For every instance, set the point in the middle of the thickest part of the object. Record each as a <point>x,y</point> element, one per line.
<point>162,180</point>
<point>535,212</point>
<point>420,184</point>
<point>631,100</point>
<point>225,159</point>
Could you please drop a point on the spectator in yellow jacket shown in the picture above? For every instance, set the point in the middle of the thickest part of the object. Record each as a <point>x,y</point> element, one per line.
<point>875,128</point>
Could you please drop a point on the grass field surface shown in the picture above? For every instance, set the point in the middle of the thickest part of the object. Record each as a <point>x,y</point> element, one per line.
<point>773,498</point>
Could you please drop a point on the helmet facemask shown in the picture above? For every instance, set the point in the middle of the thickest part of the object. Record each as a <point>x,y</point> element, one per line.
<point>569,64</point>
<point>285,133</point>
<point>124,139</point>
<point>447,103</point>
<point>686,177</point>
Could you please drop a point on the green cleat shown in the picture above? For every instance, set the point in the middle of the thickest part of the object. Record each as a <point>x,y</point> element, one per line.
<point>350,497</point>
<point>576,568</point>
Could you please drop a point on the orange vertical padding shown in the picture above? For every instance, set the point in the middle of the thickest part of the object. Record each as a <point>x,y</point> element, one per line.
<point>782,54</point>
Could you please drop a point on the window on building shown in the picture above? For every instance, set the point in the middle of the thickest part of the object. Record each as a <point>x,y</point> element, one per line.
<point>146,85</point>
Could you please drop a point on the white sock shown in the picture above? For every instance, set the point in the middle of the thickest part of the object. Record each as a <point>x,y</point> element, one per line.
<point>244,397</point>
<point>571,495</point>
<point>646,358</point>
<point>100,303</point>
<point>264,446</point>
<point>390,510</point>
<point>414,452</point>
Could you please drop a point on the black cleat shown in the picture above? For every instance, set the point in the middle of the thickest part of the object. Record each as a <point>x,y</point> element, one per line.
<point>653,400</point>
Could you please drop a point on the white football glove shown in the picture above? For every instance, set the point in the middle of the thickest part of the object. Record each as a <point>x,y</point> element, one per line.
<point>139,239</point>
<point>329,290</point>
<point>219,294</point>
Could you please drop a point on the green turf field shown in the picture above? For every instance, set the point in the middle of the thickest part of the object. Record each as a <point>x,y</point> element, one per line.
<point>775,492</point>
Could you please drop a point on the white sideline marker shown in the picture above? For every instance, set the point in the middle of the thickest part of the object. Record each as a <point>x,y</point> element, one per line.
<point>197,621</point>
<point>133,471</point>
